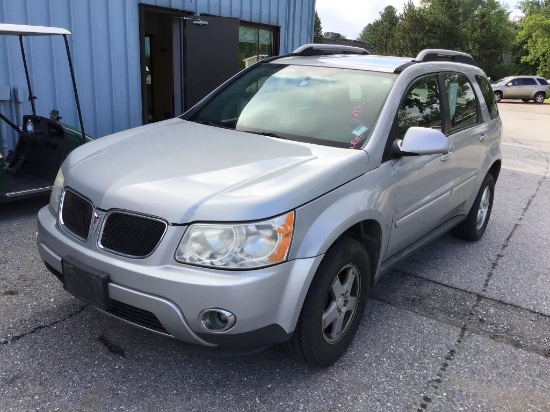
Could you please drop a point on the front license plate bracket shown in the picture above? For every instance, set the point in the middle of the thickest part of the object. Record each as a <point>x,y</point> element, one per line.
<point>86,283</point>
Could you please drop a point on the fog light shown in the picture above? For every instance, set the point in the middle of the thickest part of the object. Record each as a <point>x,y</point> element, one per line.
<point>217,320</point>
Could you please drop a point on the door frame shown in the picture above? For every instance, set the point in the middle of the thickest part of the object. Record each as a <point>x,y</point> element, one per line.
<point>143,8</point>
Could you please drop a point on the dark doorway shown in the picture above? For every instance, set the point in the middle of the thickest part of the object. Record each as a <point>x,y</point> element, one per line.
<point>183,58</point>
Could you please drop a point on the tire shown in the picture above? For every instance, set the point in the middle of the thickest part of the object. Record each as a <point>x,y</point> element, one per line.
<point>525,100</point>
<point>498,96</point>
<point>539,97</point>
<point>474,226</point>
<point>339,290</point>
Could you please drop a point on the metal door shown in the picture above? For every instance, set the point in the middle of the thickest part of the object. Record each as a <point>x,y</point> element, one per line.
<point>211,49</point>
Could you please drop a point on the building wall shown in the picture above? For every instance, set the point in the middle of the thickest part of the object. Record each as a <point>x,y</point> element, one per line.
<point>106,54</point>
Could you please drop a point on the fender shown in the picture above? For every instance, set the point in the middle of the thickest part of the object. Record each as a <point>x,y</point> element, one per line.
<point>322,221</point>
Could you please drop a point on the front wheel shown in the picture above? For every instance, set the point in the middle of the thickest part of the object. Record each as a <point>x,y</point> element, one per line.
<point>474,226</point>
<point>498,96</point>
<point>334,304</point>
<point>539,98</point>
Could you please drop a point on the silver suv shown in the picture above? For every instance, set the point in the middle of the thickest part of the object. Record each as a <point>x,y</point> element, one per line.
<point>267,212</point>
<point>525,88</point>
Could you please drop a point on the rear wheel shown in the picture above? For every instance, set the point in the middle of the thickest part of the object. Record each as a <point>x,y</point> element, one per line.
<point>475,224</point>
<point>539,97</point>
<point>498,96</point>
<point>334,304</point>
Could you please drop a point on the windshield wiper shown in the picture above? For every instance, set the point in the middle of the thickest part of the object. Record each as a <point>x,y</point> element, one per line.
<point>211,123</point>
<point>269,134</point>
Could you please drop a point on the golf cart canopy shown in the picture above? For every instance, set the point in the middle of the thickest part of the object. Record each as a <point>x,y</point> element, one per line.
<point>24,30</point>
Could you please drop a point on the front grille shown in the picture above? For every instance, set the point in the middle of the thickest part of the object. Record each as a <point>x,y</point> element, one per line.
<point>136,315</point>
<point>131,235</point>
<point>76,214</point>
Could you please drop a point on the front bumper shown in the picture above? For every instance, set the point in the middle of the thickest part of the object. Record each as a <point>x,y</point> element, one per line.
<point>266,302</point>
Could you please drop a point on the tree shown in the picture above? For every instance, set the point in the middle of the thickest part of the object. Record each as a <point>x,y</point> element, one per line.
<point>409,41</point>
<point>487,34</point>
<point>535,34</point>
<point>380,34</point>
<point>317,28</point>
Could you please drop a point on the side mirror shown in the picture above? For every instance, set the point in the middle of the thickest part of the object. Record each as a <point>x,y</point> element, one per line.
<point>420,141</point>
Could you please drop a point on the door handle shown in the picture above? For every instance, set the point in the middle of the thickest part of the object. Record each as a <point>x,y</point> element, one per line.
<point>446,157</point>
<point>482,137</point>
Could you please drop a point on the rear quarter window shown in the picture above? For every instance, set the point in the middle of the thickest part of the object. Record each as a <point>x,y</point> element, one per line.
<point>542,81</point>
<point>488,96</point>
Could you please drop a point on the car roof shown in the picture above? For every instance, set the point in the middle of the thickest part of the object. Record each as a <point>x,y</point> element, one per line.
<point>387,64</point>
<point>25,30</point>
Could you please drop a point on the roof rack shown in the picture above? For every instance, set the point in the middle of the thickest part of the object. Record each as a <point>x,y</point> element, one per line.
<point>434,55</point>
<point>317,49</point>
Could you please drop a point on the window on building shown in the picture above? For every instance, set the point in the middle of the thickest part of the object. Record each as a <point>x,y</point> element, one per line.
<point>255,44</point>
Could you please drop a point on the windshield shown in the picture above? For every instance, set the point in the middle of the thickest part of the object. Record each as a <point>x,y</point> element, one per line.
<point>322,105</point>
<point>503,81</point>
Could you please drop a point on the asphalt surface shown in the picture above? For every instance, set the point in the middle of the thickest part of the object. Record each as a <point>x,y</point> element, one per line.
<point>458,326</point>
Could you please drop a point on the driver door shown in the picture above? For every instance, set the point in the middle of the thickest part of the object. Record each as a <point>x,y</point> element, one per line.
<point>423,185</point>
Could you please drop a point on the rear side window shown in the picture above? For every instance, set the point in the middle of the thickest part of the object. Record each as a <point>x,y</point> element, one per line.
<point>488,96</point>
<point>529,82</point>
<point>462,101</point>
<point>421,106</point>
<point>542,81</point>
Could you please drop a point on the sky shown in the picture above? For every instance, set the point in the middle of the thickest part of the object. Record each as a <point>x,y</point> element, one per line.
<point>348,17</point>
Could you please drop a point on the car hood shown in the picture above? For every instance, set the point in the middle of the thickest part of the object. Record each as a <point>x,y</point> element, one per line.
<point>183,172</point>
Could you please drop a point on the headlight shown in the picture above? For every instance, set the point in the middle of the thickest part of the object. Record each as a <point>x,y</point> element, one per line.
<point>232,246</point>
<point>56,191</point>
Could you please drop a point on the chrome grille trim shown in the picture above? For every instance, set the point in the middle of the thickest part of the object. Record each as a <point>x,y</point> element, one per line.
<point>61,220</point>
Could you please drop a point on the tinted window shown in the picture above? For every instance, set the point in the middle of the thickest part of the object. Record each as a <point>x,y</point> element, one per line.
<point>542,81</point>
<point>323,105</point>
<point>421,106</point>
<point>527,81</point>
<point>488,95</point>
<point>462,101</point>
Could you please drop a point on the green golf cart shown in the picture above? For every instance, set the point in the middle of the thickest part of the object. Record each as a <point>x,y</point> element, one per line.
<point>43,142</point>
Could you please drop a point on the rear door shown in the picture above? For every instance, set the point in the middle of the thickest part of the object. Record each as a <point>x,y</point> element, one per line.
<point>528,87</point>
<point>469,134</point>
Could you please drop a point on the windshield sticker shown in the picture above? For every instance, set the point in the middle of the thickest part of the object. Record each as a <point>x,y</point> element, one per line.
<point>305,82</point>
<point>360,130</point>
<point>358,112</point>
<point>354,142</point>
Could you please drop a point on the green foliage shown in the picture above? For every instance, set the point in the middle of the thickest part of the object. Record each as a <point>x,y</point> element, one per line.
<point>317,27</point>
<point>380,34</point>
<point>535,34</point>
<point>479,27</point>
<point>487,34</point>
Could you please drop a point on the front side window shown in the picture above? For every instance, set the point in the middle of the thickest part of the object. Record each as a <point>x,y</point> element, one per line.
<point>515,82</point>
<point>488,95</point>
<point>462,101</point>
<point>322,105</point>
<point>421,106</point>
